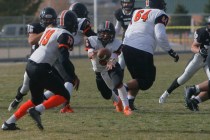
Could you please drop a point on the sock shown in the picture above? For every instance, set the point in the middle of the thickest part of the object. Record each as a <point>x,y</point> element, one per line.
<point>173,86</point>
<point>48,94</point>
<point>114,97</point>
<point>198,99</point>
<point>197,89</point>
<point>40,108</point>
<point>130,97</point>
<point>12,119</point>
<point>22,110</point>
<point>54,101</point>
<point>123,96</point>
<point>69,87</point>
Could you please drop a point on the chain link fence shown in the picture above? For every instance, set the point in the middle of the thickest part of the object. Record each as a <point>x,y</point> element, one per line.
<point>15,47</point>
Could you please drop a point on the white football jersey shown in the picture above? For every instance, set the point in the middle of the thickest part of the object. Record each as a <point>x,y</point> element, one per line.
<point>94,44</point>
<point>140,33</point>
<point>48,49</point>
<point>79,37</point>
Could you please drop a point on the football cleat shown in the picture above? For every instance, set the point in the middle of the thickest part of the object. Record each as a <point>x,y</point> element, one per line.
<point>67,109</point>
<point>131,104</point>
<point>192,104</point>
<point>118,105</point>
<point>11,126</point>
<point>163,97</point>
<point>14,104</point>
<point>35,115</point>
<point>190,91</point>
<point>127,111</point>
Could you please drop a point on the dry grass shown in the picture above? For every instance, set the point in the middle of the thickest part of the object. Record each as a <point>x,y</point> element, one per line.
<point>95,118</point>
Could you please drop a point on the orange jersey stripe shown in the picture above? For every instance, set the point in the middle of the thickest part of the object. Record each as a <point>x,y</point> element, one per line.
<point>84,31</point>
<point>63,45</point>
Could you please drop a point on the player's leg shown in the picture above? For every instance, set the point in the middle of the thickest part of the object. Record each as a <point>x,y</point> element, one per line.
<point>116,78</point>
<point>142,71</point>
<point>22,91</point>
<point>193,66</point>
<point>107,93</point>
<point>68,83</point>
<point>121,61</point>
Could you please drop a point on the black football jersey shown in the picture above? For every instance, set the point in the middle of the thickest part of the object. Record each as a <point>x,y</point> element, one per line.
<point>202,36</point>
<point>124,19</point>
<point>35,28</point>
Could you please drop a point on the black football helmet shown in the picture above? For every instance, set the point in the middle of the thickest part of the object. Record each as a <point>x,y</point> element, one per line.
<point>127,5</point>
<point>157,4</point>
<point>48,16</point>
<point>68,20</point>
<point>80,10</point>
<point>106,32</point>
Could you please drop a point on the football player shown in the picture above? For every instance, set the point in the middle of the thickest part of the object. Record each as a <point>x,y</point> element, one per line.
<point>84,30</point>
<point>35,30</point>
<point>199,47</point>
<point>84,26</point>
<point>123,17</point>
<point>146,30</point>
<point>108,71</point>
<point>55,43</point>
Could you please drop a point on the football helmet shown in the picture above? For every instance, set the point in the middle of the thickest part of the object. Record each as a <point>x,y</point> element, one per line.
<point>157,4</point>
<point>127,5</point>
<point>80,10</point>
<point>68,20</point>
<point>48,16</point>
<point>106,32</point>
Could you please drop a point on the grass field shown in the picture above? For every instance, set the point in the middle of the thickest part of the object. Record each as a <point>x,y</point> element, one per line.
<point>95,118</point>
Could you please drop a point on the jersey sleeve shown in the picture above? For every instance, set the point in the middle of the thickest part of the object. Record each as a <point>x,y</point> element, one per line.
<point>35,28</point>
<point>163,19</point>
<point>65,40</point>
<point>117,14</point>
<point>198,36</point>
<point>86,28</point>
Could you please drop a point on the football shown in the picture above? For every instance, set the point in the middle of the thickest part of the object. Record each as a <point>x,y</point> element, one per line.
<point>104,54</point>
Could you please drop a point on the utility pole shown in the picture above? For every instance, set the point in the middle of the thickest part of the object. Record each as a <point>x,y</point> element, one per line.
<point>95,15</point>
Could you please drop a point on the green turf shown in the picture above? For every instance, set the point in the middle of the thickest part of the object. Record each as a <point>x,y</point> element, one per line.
<point>95,118</point>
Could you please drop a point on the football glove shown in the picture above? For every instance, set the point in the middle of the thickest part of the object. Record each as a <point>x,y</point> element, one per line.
<point>173,54</point>
<point>203,52</point>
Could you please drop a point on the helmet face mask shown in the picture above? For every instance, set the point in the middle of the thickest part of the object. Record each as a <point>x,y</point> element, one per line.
<point>106,32</point>
<point>105,37</point>
<point>48,16</point>
<point>68,20</point>
<point>80,10</point>
<point>127,5</point>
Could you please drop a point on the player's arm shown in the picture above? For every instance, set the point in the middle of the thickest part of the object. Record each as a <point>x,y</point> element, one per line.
<point>34,35</point>
<point>65,44</point>
<point>91,51</point>
<point>33,38</point>
<point>196,45</point>
<point>161,36</point>
<point>86,28</point>
<point>117,27</point>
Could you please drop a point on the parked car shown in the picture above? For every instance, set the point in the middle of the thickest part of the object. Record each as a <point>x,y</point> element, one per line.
<point>13,35</point>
